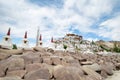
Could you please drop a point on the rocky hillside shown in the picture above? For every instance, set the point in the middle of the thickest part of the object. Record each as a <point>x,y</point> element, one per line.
<point>111,46</point>
<point>47,64</point>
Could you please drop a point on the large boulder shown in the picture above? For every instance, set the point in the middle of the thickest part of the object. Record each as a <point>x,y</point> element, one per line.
<point>107,67</point>
<point>77,71</point>
<point>45,54</point>
<point>86,63</point>
<point>118,66</point>
<point>64,63</point>
<point>47,60</point>
<point>58,53</point>
<point>33,67</point>
<point>11,64</point>
<point>3,56</point>
<point>67,73</point>
<point>50,50</point>
<point>3,70</point>
<point>15,64</point>
<point>11,78</point>
<point>103,74</point>
<point>55,60</point>
<point>68,59</point>
<point>41,79</point>
<point>79,58</point>
<point>19,73</point>
<point>49,67</point>
<point>95,67</point>
<point>92,73</point>
<point>74,63</point>
<point>38,74</point>
<point>30,57</point>
<point>27,49</point>
<point>40,49</point>
<point>61,73</point>
<point>11,52</point>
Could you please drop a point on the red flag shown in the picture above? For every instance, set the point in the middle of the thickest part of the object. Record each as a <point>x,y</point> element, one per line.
<point>25,35</point>
<point>40,37</point>
<point>8,33</point>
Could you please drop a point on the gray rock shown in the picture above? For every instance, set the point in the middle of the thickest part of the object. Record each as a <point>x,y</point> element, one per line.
<point>33,67</point>
<point>55,60</point>
<point>19,73</point>
<point>86,63</point>
<point>15,64</point>
<point>11,52</point>
<point>103,74</point>
<point>50,50</point>
<point>95,67</point>
<point>11,78</point>
<point>11,64</point>
<point>67,73</point>
<point>38,74</point>
<point>30,57</point>
<point>3,56</point>
<point>118,66</point>
<point>47,60</point>
<point>92,73</point>
<point>40,49</point>
<point>108,68</point>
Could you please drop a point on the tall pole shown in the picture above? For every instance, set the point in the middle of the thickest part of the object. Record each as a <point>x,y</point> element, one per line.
<point>37,37</point>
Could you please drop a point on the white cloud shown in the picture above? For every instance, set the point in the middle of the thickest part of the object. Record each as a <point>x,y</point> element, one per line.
<point>92,39</point>
<point>96,9</point>
<point>23,16</point>
<point>110,28</point>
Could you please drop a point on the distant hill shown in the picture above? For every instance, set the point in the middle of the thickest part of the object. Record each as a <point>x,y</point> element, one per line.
<point>112,46</point>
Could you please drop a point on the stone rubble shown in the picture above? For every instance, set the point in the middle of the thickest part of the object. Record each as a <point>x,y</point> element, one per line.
<point>42,64</point>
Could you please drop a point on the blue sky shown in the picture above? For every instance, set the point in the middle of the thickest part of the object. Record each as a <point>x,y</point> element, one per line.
<point>93,19</point>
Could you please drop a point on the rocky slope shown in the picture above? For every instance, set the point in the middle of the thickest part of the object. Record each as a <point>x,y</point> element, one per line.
<point>110,46</point>
<point>42,64</point>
